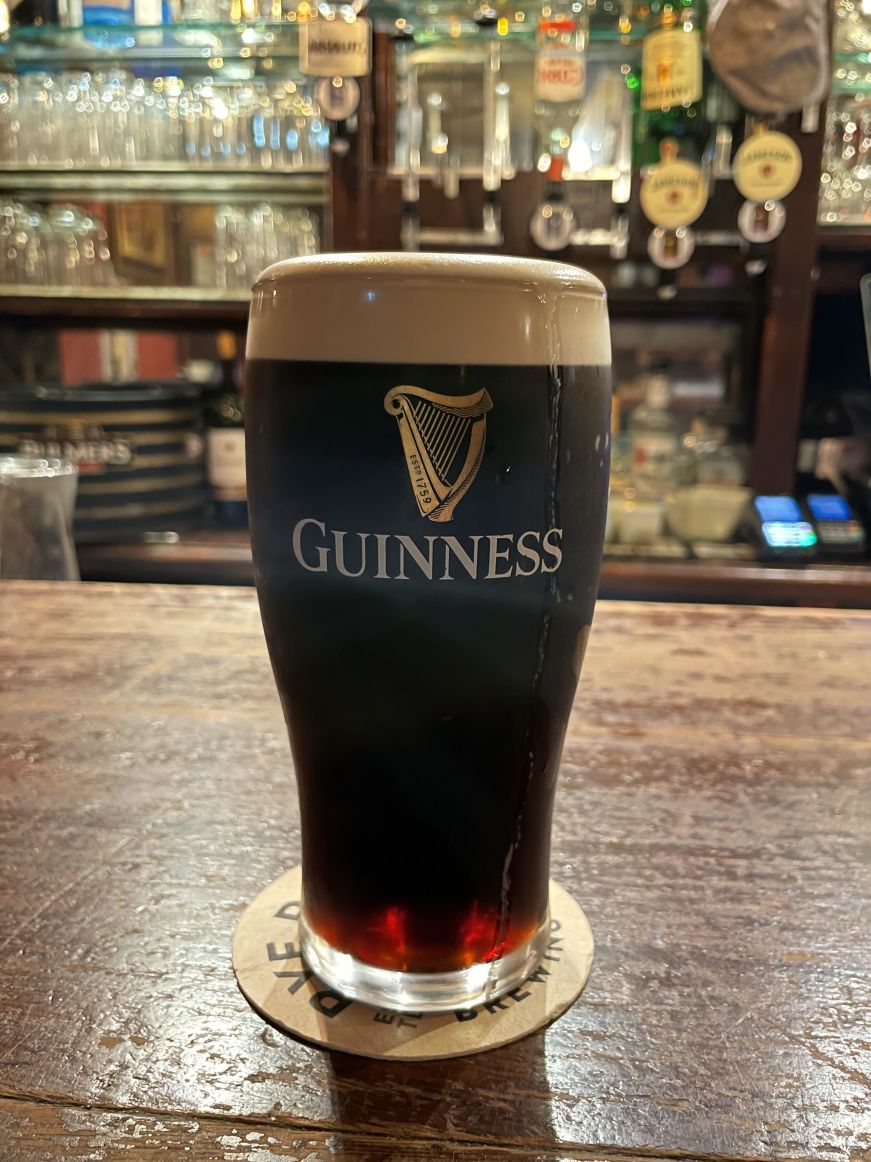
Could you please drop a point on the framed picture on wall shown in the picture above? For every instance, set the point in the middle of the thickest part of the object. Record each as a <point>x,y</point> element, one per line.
<point>142,242</point>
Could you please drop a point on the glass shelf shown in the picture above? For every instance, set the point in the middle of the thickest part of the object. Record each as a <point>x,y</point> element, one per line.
<point>258,45</point>
<point>166,182</point>
<point>457,18</point>
<point>604,45</point>
<point>213,47</point>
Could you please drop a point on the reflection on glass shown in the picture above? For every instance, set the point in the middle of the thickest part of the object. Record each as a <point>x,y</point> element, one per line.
<point>845,184</point>
<point>112,119</point>
<point>250,238</point>
<point>64,246</point>
<point>37,498</point>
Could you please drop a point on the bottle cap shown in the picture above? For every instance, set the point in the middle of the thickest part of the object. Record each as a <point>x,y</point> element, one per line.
<point>563,24</point>
<point>555,169</point>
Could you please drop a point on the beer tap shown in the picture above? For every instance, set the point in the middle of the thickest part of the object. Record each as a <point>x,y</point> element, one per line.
<point>410,228</point>
<point>767,168</point>
<point>553,222</point>
<point>673,196</point>
<point>426,129</point>
<point>335,47</point>
<point>499,155</point>
<point>447,169</point>
<point>497,143</point>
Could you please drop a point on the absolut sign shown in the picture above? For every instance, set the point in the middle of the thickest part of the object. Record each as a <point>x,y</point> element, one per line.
<point>335,48</point>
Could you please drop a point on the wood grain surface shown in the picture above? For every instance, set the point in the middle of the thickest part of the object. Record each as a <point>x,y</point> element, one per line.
<point>714,820</point>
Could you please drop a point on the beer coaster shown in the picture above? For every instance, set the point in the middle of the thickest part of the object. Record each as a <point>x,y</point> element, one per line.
<point>273,977</point>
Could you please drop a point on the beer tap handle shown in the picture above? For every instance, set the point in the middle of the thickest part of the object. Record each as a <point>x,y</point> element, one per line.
<point>810,118</point>
<point>619,246</point>
<point>451,176</point>
<point>492,221</point>
<point>722,163</point>
<point>437,140</point>
<point>410,228</point>
<point>411,176</point>
<point>503,131</point>
<point>495,121</point>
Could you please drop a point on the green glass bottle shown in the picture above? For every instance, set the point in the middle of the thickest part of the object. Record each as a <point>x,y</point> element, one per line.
<point>671,101</point>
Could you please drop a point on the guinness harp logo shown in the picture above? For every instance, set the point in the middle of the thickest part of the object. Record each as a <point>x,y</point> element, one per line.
<point>443,441</point>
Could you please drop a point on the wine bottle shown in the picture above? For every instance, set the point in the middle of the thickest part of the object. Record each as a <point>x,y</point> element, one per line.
<point>225,438</point>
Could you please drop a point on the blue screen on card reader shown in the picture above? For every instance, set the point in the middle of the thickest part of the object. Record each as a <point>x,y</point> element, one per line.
<point>829,506</point>
<point>779,508</point>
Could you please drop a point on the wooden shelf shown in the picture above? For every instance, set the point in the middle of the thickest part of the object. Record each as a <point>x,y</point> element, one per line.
<point>844,239</point>
<point>189,308</point>
<point>223,557</point>
<point>175,307</point>
<point>826,586</point>
<point>690,302</point>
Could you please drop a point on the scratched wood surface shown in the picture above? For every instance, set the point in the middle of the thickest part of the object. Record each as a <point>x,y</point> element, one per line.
<point>714,819</point>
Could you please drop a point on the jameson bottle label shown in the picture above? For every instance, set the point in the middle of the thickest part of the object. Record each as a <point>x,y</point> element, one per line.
<point>671,68</point>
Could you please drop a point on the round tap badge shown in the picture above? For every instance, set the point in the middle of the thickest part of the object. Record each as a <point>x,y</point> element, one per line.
<point>673,193</point>
<point>767,167</point>
<point>671,249</point>
<point>338,97</point>
<point>761,222</point>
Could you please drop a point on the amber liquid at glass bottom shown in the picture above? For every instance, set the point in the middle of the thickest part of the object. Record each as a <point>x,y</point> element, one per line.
<point>426,669</point>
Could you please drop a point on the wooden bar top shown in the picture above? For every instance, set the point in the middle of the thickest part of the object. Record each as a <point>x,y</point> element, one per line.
<point>713,818</point>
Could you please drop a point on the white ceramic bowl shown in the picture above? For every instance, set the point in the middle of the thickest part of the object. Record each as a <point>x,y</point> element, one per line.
<point>702,512</point>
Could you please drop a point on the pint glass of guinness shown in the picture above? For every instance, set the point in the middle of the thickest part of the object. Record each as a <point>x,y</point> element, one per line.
<point>427,445</point>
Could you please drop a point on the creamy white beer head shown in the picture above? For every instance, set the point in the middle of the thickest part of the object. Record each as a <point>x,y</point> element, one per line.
<point>429,309</point>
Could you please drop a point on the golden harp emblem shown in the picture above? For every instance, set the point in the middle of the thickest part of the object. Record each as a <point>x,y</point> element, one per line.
<point>443,441</point>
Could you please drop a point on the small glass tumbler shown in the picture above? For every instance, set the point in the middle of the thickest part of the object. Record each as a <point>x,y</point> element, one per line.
<point>37,501</point>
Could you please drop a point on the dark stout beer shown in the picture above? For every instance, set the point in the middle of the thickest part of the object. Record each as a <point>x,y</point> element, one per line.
<point>427,540</point>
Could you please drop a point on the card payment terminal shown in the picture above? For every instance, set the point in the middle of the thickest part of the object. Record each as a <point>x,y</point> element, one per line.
<point>781,529</point>
<point>837,529</point>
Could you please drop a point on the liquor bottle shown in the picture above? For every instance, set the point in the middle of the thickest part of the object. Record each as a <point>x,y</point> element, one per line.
<point>225,438</point>
<point>33,12</point>
<point>653,437</point>
<point>604,17</point>
<point>672,89</point>
<point>560,79</point>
